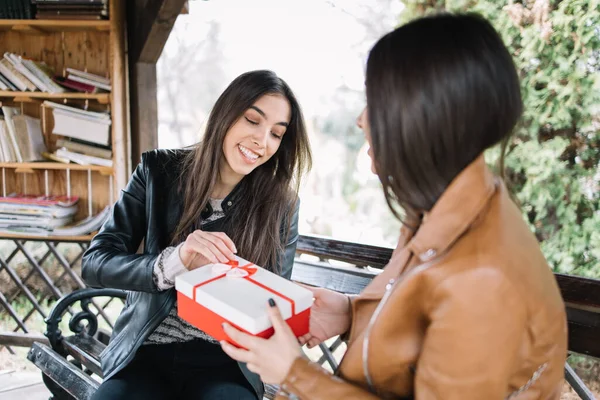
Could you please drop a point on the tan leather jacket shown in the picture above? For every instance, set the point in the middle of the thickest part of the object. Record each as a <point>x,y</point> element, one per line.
<point>467,308</point>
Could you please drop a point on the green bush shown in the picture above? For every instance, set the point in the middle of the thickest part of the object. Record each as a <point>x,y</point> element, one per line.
<point>553,160</point>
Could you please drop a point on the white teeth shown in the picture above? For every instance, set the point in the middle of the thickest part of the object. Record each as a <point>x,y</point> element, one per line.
<point>248,153</point>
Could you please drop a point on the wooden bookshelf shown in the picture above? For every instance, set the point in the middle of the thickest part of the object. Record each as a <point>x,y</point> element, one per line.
<point>49,26</point>
<point>102,98</point>
<point>56,166</point>
<point>97,47</point>
<point>83,238</point>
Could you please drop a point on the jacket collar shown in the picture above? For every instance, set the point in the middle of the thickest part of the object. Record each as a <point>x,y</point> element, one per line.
<point>458,207</point>
<point>227,203</point>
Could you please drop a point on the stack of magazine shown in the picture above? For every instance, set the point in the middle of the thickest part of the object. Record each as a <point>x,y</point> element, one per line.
<point>46,216</point>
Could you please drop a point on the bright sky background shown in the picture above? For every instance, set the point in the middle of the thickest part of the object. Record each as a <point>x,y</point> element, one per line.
<point>319,47</point>
<point>315,45</point>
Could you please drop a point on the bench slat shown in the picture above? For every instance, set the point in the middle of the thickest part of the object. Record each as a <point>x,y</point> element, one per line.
<point>354,253</point>
<point>584,330</point>
<point>349,280</point>
<point>579,290</point>
<point>65,374</point>
<point>86,350</point>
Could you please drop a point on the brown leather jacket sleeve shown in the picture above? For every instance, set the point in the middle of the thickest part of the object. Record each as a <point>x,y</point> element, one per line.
<point>470,347</point>
<point>468,353</point>
<point>307,380</point>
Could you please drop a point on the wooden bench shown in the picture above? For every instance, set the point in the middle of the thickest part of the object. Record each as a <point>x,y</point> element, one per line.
<point>71,364</point>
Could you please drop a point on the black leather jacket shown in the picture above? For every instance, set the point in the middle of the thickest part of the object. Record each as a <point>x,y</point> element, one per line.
<point>149,209</point>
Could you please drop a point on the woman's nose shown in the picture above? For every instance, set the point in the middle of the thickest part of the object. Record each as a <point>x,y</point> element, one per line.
<point>260,137</point>
<point>359,120</point>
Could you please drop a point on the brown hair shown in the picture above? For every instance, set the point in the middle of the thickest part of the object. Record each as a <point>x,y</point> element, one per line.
<point>440,90</point>
<point>267,196</point>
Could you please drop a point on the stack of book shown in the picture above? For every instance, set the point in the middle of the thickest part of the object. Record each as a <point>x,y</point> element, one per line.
<point>21,137</point>
<point>85,82</point>
<point>86,135</point>
<point>46,216</point>
<point>70,9</point>
<point>15,9</point>
<point>22,74</point>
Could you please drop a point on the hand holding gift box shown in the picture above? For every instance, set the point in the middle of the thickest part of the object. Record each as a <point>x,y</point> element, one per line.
<point>237,293</point>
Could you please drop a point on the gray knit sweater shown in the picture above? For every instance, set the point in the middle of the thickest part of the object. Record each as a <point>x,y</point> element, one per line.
<point>167,267</point>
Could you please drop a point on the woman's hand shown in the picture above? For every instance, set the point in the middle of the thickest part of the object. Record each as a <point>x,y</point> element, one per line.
<point>330,315</point>
<point>201,248</point>
<point>270,358</point>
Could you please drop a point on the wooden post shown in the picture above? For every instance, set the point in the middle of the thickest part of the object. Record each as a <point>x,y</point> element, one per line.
<point>144,110</point>
<point>149,24</point>
<point>120,122</point>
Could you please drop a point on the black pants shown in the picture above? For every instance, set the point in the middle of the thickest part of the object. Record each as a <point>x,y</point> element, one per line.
<point>196,370</point>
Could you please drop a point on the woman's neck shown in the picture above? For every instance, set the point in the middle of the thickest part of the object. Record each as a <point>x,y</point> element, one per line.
<point>226,182</point>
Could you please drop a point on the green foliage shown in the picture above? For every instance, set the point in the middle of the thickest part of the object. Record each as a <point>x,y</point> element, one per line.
<point>553,161</point>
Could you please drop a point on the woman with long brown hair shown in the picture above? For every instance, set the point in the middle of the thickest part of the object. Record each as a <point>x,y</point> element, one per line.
<point>235,192</point>
<point>467,307</point>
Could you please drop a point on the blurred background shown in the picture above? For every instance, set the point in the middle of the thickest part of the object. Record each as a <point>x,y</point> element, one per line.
<point>320,48</point>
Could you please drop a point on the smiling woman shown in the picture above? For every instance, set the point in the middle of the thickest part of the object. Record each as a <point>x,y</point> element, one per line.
<point>234,192</point>
<point>253,139</point>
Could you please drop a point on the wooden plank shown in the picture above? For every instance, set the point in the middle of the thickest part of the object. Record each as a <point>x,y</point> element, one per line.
<point>584,331</point>
<point>101,97</point>
<point>76,239</point>
<point>350,280</point>
<point>579,290</point>
<point>21,339</point>
<point>57,166</point>
<point>43,26</point>
<point>153,22</point>
<point>144,110</point>
<point>355,253</point>
<point>65,374</point>
<point>86,350</point>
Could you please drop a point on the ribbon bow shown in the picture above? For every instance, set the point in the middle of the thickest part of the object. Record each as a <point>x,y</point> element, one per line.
<point>233,270</point>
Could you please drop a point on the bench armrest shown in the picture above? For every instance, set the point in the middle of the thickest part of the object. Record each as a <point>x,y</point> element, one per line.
<point>85,297</point>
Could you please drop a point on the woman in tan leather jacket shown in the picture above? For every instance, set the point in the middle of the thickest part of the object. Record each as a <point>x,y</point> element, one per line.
<point>467,307</point>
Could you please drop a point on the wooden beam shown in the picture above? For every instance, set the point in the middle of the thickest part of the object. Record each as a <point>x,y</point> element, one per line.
<point>21,339</point>
<point>186,8</point>
<point>120,117</point>
<point>143,110</point>
<point>153,21</point>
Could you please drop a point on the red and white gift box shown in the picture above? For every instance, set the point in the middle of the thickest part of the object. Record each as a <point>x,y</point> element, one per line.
<point>238,293</point>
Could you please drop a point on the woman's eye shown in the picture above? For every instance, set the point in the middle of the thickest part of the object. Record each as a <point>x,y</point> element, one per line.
<point>251,121</point>
<point>276,135</point>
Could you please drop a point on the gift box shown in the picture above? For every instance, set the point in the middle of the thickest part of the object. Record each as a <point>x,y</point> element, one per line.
<point>238,293</point>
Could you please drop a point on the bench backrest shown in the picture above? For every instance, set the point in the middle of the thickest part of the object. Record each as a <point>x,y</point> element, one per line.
<point>581,295</point>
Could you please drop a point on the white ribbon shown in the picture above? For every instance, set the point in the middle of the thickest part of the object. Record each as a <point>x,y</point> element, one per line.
<point>229,271</point>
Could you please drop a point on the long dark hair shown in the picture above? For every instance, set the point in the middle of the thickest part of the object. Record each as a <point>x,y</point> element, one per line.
<point>267,196</point>
<point>440,90</point>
